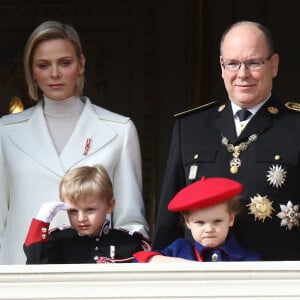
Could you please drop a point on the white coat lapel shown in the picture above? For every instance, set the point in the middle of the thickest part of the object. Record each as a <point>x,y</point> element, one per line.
<point>89,126</point>
<point>33,139</point>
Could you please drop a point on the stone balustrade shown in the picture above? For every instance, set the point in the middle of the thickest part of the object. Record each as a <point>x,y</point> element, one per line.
<point>210,281</point>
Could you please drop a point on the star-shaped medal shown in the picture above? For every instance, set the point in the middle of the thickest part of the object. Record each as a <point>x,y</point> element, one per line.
<point>260,207</point>
<point>276,176</point>
<point>289,215</point>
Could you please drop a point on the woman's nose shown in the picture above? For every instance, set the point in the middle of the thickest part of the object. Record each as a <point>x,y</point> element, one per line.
<point>54,72</point>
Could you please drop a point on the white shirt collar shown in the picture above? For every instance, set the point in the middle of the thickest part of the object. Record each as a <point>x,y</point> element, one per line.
<point>253,109</point>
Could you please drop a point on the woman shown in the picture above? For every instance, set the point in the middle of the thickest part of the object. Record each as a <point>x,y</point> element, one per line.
<point>62,131</point>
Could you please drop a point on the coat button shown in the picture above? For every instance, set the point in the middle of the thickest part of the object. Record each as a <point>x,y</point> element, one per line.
<point>215,257</point>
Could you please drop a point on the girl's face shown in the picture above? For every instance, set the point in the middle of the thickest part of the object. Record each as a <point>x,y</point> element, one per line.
<point>56,68</point>
<point>209,226</point>
<point>88,215</point>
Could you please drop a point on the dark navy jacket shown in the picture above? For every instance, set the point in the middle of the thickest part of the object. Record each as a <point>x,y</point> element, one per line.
<point>231,250</point>
<point>65,246</point>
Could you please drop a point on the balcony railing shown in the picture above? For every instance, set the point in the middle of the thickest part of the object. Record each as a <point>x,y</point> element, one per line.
<point>237,280</point>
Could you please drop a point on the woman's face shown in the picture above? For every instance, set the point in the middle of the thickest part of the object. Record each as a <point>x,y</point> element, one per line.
<point>56,68</point>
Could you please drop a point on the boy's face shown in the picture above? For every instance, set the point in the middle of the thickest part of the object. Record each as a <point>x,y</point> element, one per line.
<point>88,215</point>
<point>209,226</point>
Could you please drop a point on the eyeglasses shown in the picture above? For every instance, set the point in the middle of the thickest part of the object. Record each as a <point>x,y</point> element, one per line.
<point>252,65</point>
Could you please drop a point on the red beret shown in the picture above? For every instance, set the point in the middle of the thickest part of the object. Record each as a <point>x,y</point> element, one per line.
<point>205,192</point>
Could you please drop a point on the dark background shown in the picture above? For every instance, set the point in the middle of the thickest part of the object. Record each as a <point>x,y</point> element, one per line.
<point>149,59</point>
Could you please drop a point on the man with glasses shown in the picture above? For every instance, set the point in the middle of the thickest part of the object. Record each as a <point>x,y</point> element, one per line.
<point>253,138</point>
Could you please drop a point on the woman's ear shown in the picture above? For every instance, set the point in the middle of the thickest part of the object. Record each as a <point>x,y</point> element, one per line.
<point>82,64</point>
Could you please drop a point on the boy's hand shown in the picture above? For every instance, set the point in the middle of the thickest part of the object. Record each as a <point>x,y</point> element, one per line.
<point>49,209</point>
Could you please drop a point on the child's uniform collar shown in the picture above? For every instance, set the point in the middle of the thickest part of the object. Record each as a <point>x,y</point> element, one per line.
<point>231,250</point>
<point>105,228</point>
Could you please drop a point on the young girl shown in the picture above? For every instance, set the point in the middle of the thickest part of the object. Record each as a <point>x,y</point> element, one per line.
<point>209,207</point>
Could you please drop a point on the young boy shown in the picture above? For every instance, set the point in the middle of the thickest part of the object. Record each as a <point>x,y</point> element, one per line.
<point>209,207</point>
<point>87,196</point>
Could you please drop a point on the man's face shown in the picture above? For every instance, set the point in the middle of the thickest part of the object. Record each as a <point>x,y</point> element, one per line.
<point>247,88</point>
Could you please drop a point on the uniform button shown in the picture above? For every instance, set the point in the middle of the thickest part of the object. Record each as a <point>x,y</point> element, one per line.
<point>277,157</point>
<point>44,229</point>
<point>215,257</point>
<point>96,257</point>
<point>96,248</point>
<point>44,236</point>
<point>97,239</point>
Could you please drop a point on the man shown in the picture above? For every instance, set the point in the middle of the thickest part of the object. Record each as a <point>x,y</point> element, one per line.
<point>259,147</point>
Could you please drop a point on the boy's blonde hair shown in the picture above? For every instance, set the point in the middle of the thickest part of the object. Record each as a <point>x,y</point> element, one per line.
<point>84,181</point>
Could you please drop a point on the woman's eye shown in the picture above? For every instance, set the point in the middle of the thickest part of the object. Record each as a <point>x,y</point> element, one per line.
<point>42,66</point>
<point>65,63</point>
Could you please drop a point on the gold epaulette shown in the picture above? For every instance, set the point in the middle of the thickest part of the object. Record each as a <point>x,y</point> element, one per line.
<point>196,109</point>
<point>292,105</point>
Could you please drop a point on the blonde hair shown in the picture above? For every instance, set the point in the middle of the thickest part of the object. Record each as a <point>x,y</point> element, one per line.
<point>50,30</point>
<point>84,181</point>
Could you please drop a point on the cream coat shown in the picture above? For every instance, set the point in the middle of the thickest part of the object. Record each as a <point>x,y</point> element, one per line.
<point>30,170</point>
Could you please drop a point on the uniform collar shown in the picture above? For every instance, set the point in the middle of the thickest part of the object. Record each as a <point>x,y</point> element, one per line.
<point>230,250</point>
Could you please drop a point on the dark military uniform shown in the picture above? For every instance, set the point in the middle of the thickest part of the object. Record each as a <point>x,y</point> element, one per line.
<point>269,170</point>
<point>65,246</point>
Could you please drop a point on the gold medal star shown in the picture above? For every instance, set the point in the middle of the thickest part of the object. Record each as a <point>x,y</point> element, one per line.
<point>260,207</point>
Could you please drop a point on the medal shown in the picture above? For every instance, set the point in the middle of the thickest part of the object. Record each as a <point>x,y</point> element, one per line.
<point>289,215</point>
<point>276,176</point>
<point>260,207</point>
<point>87,146</point>
<point>236,162</point>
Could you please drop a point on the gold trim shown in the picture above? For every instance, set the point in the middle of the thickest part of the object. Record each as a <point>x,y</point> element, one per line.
<point>194,109</point>
<point>293,106</point>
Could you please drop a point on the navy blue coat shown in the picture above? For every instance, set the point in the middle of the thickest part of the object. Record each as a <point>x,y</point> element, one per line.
<point>231,250</point>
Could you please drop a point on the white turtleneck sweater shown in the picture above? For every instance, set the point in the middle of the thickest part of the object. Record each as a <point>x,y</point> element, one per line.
<point>61,118</point>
